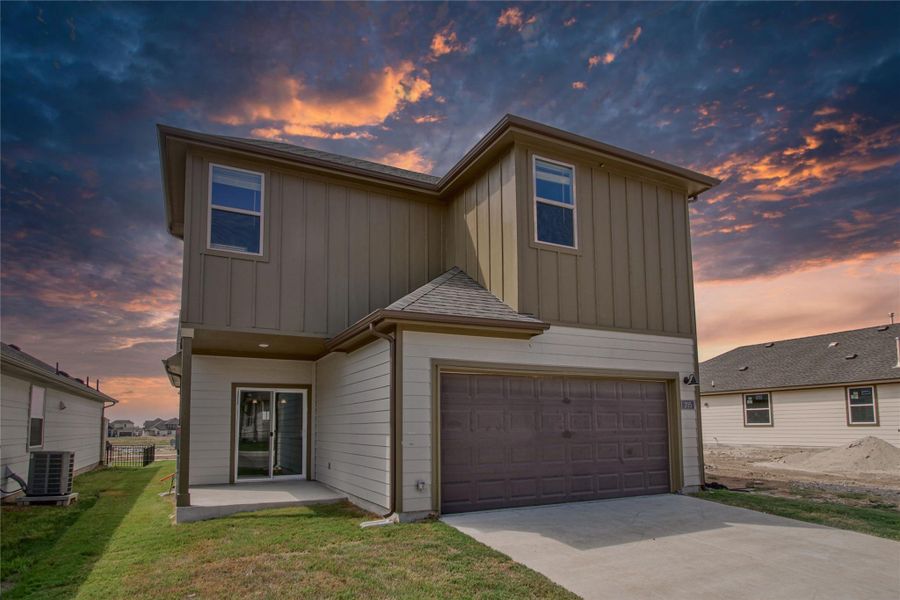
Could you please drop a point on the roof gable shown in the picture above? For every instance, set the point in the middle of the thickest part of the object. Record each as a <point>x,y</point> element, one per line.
<point>454,293</point>
<point>868,354</point>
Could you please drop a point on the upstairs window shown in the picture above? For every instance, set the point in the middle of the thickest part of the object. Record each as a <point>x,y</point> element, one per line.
<point>757,410</point>
<point>36,417</point>
<point>862,408</point>
<point>235,210</point>
<point>554,203</point>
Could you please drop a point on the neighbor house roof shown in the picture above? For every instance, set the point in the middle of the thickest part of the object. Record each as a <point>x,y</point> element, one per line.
<point>15,361</point>
<point>173,141</point>
<point>860,355</point>
<point>450,299</point>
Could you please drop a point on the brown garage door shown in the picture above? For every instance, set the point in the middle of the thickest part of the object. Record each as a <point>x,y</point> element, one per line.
<point>519,440</point>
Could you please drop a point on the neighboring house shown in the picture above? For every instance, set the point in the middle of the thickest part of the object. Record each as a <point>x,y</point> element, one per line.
<point>123,428</point>
<point>42,408</point>
<point>515,332</point>
<point>161,427</point>
<point>823,390</point>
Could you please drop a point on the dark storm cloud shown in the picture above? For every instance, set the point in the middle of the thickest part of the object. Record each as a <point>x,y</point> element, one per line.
<point>792,105</point>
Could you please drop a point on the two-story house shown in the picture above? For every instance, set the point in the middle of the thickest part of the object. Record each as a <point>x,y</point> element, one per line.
<point>519,331</point>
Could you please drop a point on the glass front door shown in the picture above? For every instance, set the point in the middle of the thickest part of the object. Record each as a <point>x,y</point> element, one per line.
<point>270,433</point>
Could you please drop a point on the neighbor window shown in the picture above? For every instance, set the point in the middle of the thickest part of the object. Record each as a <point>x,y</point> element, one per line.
<point>235,210</point>
<point>554,203</point>
<point>757,409</point>
<point>36,417</point>
<point>861,406</point>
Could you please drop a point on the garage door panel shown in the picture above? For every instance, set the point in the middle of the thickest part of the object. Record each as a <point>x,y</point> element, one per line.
<point>608,482</point>
<point>607,421</point>
<point>491,455</point>
<point>579,389</point>
<point>608,451</point>
<point>521,388</point>
<point>519,441</point>
<point>490,490</point>
<point>580,453</point>
<point>523,454</point>
<point>553,421</point>
<point>632,421</point>
<point>454,421</point>
<point>524,488</point>
<point>553,453</point>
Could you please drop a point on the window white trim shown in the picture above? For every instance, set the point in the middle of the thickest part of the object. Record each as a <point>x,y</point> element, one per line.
<point>873,404</point>
<point>240,211</point>
<point>535,199</point>
<point>767,409</point>
<point>32,416</point>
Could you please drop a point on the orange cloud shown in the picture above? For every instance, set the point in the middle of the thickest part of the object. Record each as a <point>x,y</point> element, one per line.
<point>606,59</point>
<point>410,160</point>
<point>513,18</point>
<point>429,119</point>
<point>633,37</point>
<point>869,289</point>
<point>772,214</point>
<point>798,171</point>
<point>825,111</point>
<point>296,110</point>
<point>579,85</point>
<point>445,42</point>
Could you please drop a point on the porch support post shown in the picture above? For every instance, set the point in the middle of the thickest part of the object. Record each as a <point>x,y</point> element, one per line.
<point>182,491</point>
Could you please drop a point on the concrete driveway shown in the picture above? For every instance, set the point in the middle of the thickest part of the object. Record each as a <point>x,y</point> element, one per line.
<point>673,547</point>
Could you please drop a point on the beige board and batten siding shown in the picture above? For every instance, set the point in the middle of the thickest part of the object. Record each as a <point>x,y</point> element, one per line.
<point>332,252</point>
<point>815,417</point>
<point>76,428</point>
<point>632,267</point>
<point>481,231</point>
<point>563,348</point>
<point>353,424</point>
<point>212,399</point>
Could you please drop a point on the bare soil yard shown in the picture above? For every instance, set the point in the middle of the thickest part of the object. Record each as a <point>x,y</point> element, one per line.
<point>865,473</point>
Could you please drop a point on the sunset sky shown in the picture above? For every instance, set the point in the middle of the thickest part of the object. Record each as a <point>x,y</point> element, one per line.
<point>793,106</point>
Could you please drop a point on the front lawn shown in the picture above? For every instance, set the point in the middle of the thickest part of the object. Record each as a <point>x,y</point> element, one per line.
<point>117,542</point>
<point>881,520</point>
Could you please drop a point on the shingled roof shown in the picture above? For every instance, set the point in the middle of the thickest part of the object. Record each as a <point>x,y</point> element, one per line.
<point>456,294</point>
<point>337,159</point>
<point>13,357</point>
<point>860,355</point>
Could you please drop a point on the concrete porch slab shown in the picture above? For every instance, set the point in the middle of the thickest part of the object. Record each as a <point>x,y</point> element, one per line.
<point>211,501</point>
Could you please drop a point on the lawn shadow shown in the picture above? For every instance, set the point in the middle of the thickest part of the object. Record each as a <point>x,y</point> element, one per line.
<point>76,542</point>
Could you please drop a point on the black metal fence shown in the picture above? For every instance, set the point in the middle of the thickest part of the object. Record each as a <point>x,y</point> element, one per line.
<point>130,456</point>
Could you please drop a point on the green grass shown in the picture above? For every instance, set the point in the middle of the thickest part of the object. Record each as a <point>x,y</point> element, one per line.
<point>117,542</point>
<point>880,520</point>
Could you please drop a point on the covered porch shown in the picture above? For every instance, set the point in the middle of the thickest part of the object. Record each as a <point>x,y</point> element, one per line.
<point>211,501</point>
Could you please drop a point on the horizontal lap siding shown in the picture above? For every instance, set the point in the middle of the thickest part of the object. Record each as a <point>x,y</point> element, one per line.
<point>76,428</point>
<point>812,418</point>
<point>562,347</point>
<point>353,423</point>
<point>212,400</point>
<point>333,253</point>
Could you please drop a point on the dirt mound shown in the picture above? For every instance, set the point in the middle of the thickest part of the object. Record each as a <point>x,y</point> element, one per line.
<point>865,455</point>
